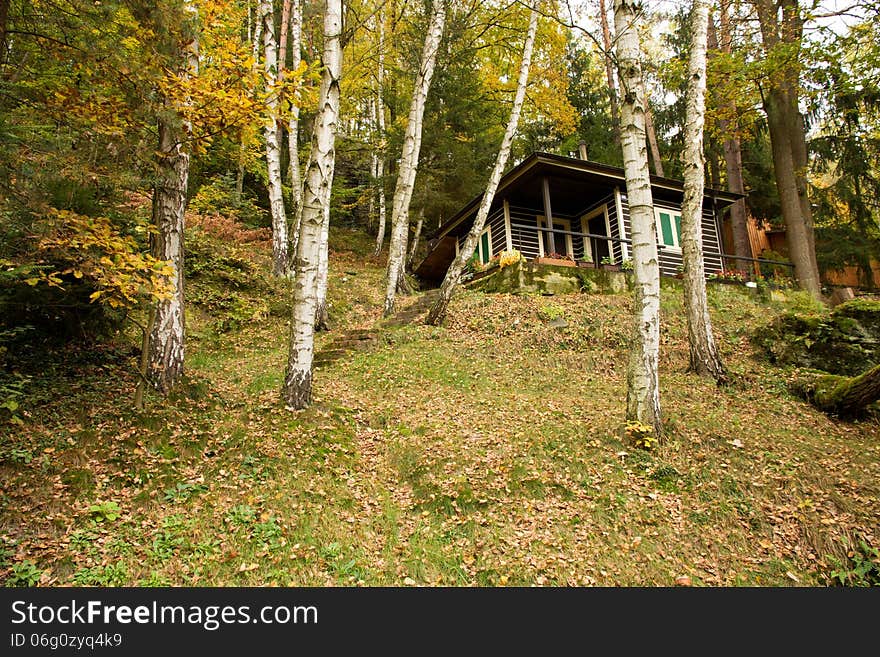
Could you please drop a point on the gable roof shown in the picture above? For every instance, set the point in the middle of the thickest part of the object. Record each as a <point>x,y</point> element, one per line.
<point>548,164</point>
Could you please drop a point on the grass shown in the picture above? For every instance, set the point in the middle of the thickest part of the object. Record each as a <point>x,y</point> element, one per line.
<point>488,452</point>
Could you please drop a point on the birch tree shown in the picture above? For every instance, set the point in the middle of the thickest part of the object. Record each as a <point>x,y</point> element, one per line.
<point>379,152</point>
<point>704,356</point>
<point>450,282</point>
<point>293,171</point>
<point>642,393</point>
<point>297,391</point>
<point>167,339</point>
<point>409,158</point>
<point>273,145</point>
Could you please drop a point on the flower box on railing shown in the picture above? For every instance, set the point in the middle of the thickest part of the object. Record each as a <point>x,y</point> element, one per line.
<point>559,262</point>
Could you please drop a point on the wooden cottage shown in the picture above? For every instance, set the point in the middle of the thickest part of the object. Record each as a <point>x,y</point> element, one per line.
<point>573,207</point>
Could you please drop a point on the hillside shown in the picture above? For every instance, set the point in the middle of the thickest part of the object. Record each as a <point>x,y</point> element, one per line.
<point>487,452</point>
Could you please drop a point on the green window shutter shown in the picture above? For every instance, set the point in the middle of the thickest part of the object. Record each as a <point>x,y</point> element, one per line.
<point>666,229</point>
<point>678,229</point>
<point>484,248</point>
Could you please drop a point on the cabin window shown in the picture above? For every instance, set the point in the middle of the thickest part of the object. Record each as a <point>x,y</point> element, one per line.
<point>484,246</point>
<point>668,228</point>
<point>561,240</point>
<point>483,249</point>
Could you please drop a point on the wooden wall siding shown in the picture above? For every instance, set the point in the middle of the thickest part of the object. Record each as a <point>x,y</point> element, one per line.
<point>670,260</point>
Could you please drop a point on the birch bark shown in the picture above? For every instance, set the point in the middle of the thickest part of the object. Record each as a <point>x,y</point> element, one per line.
<point>273,150</point>
<point>643,393</point>
<point>704,357</point>
<point>297,391</point>
<point>293,169</point>
<point>409,159</point>
<point>450,282</point>
<point>167,334</point>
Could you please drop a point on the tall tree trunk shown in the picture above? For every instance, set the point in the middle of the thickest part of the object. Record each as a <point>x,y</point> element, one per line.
<point>450,282</point>
<point>167,337</point>
<point>409,159</point>
<point>643,392</point>
<point>167,341</point>
<point>293,170</point>
<point>652,140</point>
<point>282,63</point>
<point>297,392</point>
<point>732,150</point>
<point>609,71</point>
<point>788,137</point>
<point>414,246</point>
<point>704,357</point>
<point>380,126</point>
<point>798,230</point>
<point>273,150</point>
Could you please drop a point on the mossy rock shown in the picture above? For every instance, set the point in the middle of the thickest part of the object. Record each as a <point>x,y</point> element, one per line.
<point>846,342</point>
<point>865,312</point>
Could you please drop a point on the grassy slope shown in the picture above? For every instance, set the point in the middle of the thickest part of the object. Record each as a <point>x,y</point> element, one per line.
<point>486,452</point>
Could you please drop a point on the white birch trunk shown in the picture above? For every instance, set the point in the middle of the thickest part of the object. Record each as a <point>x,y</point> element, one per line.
<point>297,390</point>
<point>450,282</point>
<point>167,333</point>
<point>293,170</point>
<point>380,125</point>
<point>704,357</point>
<point>643,394</point>
<point>273,150</point>
<point>167,343</point>
<point>409,159</point>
